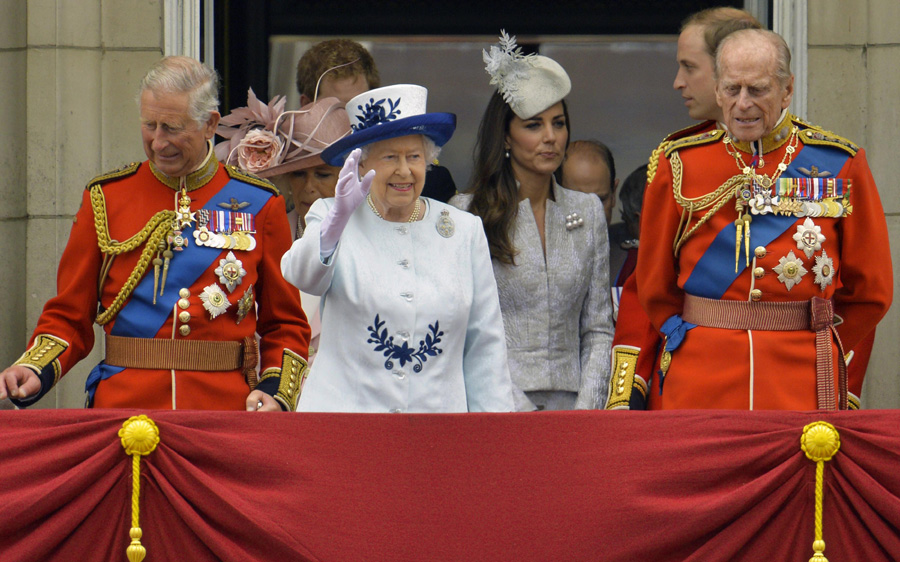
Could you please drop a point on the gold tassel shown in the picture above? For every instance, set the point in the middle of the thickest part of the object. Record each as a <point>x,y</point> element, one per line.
<point>747,219</point>
<point>820,441</point>
<point>156,263</point>
<point>167,255</point>
<point>139,436</point>
<point>739,226</point>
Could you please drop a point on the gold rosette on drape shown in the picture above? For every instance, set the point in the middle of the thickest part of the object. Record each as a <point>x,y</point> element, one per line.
<point>139,436</point>
<point>820,441</point>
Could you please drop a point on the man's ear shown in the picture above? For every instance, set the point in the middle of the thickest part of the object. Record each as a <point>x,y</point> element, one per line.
<point>211,124</point>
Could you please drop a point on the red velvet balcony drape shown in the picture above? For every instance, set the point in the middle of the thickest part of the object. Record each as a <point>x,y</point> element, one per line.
<point>623,486</point>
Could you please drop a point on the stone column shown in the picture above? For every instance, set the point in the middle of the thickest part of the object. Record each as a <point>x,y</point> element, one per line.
<point>73,68</point>
<point>854,90</point>
<point>12,182</point>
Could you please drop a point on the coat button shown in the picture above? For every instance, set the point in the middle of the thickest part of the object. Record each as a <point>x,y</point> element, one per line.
<point>184,330</point>
<point>755,295</point>
<point>758,272</point>
<point>760,251</point>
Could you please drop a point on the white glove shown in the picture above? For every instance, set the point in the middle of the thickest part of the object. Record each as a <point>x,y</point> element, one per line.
<point>348,194</point>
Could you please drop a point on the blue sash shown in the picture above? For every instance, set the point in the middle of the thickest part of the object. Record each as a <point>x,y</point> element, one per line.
<point>710,278</point>
<point>140,318</point>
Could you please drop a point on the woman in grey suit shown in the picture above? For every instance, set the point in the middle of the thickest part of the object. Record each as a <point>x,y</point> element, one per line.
<point>548,244</point>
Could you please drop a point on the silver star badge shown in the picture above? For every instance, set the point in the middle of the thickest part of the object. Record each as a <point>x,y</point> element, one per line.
<point>214,300</point>
<point>809,237</point>
<point>230,272</point>
<point>790,270</point>
<point>824,270</point>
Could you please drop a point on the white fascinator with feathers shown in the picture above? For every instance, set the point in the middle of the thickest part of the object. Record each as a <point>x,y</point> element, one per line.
<point>530,83</point>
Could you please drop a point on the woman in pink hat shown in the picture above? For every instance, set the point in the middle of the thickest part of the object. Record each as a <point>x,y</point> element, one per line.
<point>286,148</point>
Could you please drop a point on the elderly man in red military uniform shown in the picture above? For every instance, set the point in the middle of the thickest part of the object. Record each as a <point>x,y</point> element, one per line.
<point>178,259</point>
<point>764,250</point>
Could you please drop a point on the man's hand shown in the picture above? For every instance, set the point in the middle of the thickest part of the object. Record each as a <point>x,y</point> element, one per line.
<point>19,382</point>
<point>259,401</point>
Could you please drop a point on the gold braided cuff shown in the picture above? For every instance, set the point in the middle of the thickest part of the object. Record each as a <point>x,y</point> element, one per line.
<point>624,380</point>
<point>44,353</point>
<point>292,373</point>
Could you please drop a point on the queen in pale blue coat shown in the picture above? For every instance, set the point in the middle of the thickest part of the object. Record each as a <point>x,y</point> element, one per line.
<point>410,314</point>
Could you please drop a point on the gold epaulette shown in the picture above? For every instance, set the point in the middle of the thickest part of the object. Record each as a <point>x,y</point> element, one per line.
<point>124,171</point>
<point>692,130</point>
<point>679,134</point>
<point>812,134</point>
<point>695,140</point>
<point>236,173</point>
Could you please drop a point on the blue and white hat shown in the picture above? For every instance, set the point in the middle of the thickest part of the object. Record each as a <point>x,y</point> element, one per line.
<point>386,113</point>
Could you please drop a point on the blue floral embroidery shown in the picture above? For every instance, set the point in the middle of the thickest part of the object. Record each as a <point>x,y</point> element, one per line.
<point>404,353</point>
<point>374,113</point>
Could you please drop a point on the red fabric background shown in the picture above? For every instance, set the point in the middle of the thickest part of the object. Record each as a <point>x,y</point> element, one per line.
<point>625,486</point>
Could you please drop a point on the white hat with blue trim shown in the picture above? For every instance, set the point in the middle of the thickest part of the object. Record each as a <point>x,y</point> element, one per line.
<point>386,113</point>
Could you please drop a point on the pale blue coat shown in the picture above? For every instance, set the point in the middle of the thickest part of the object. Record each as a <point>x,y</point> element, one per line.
<point>419,287</point>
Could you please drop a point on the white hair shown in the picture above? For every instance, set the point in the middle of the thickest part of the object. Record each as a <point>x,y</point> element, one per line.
<point>780,50</point>
<point>432,151</point>
<point>177,74</point>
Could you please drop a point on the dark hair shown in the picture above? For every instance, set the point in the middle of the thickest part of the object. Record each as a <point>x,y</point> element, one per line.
<point>718,23</point>
<point>495,196</point>
<point>326,55</point>
<point>597,148</point>
<point>632,197</point>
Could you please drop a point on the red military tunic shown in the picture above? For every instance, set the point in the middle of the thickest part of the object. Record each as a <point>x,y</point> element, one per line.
<point>132,197</point>
<point>636,342</point>
<point>848,261</point>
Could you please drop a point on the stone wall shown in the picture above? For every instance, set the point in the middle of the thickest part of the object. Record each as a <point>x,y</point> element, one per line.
<point>854,90</point>
<point>71,70</point>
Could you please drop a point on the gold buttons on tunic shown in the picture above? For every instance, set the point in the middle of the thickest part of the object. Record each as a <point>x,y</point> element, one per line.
<point>755,294</point>
<point>184,316</point>
<point>183,304</point>
<point>184,330</point>
<point>760,251</point>
<point>184,293</point>
<point>758,272</point>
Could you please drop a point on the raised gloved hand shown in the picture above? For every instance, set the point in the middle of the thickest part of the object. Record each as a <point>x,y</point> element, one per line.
<point>348,194</point>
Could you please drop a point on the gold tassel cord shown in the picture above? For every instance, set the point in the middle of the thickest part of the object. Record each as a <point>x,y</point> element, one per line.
<point>140,437</point>
<point>820,441</point>
<point>713,201</point>
<point>153,233</point>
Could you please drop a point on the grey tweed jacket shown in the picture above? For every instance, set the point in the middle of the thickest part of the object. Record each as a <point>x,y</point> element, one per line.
<point>556,311</point>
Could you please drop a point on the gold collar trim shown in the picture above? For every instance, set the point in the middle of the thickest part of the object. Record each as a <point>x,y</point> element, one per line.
<point>773,141</point>
<point>196,179</point>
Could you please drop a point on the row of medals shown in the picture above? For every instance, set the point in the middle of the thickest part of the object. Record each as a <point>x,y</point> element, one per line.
<point>230,270</point>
